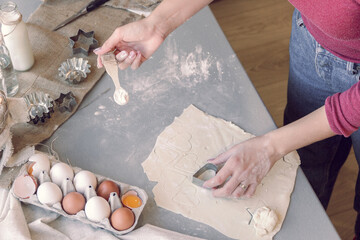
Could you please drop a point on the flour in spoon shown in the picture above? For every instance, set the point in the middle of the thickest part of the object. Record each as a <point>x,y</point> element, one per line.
<point>121,96</point>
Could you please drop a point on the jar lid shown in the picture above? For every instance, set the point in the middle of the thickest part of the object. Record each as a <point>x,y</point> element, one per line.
<point>9,13</point>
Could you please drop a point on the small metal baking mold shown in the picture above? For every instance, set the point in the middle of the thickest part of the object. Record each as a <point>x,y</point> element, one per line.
<point>83,42</point>
<point>74,70</point>
<point>40,106</point>
<point>198,179</point>
<point>66,102</point>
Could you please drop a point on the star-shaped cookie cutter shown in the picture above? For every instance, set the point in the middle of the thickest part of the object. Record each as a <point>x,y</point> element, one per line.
<point>83,42</point>
<point>66,102</point>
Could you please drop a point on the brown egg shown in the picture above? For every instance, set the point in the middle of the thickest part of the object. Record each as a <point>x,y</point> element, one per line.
<point>122,219</point>
<point>107,187</point>
<point>73,202</point>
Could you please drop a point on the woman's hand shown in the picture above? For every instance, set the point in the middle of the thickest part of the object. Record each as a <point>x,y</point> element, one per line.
<point>133,43</point>
<point>246,165</point>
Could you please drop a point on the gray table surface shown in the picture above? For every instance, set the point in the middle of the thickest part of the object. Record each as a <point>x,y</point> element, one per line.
<point>195,65</point>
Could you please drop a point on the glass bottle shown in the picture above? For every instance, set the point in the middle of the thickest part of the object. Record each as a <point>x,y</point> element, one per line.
<point>8,79</point>
<point>16,36</point>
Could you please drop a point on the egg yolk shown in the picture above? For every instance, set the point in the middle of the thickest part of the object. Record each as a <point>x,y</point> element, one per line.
<point>132,201</point>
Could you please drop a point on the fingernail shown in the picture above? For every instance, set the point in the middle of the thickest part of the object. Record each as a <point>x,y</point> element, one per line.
<point>121,56</point>
<point>97,49</point>
<point>132,54</point>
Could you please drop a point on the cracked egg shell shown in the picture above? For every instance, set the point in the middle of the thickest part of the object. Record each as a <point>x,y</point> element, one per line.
<point>24,186</point>
<point>38,162</point>
<point>131,201</point>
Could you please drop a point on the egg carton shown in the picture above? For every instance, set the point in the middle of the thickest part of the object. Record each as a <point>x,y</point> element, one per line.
<point>81,216</point>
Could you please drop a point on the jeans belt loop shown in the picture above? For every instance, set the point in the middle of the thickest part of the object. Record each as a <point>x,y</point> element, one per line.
<point>350,68</point>
<point>299,21</point>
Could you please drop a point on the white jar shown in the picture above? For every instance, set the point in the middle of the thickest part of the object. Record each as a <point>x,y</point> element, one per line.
<point>16,37</point>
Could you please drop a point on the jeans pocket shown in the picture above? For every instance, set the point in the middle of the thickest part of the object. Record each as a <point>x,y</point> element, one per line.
<point>323,63</point>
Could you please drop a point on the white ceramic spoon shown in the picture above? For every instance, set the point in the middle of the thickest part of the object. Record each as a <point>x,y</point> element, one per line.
<point>121,96</point>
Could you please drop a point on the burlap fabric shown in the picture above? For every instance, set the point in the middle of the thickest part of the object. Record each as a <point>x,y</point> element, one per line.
<point>52,48</point>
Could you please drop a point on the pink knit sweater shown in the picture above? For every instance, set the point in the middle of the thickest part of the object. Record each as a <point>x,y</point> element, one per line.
<point>335,24</point>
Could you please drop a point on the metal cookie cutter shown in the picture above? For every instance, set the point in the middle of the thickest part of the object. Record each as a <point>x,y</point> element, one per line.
<point>66,102</point>
<point>199,178</point>
<point>83,42</point>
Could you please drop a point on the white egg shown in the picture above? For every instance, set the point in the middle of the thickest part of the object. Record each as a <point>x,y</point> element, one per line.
<point>38,162</point>
<point>49,193</point>
<point>97,208</point>
<point>60,172</point>
<point>83,180</point>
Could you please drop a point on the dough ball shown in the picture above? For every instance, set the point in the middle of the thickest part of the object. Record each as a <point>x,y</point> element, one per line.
<point>265,220</point>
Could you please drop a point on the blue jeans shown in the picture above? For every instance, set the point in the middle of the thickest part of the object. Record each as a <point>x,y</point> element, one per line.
<point>314,75</point>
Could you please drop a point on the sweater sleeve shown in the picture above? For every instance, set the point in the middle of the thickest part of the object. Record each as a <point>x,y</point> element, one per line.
<point>343,111</point>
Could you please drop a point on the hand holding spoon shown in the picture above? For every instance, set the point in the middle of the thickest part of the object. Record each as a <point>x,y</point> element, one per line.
<point>121,96</point>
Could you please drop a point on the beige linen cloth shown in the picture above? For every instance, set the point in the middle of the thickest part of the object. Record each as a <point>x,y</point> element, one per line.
<point>50,50</point>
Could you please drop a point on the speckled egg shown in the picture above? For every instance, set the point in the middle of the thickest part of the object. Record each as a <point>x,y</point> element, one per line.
<point>38,162</point>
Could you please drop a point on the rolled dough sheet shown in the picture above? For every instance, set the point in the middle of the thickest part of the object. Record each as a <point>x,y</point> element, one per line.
<point>185,146</point>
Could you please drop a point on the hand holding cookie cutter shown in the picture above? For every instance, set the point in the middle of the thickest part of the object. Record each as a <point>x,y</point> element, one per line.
<point>121,96</point>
